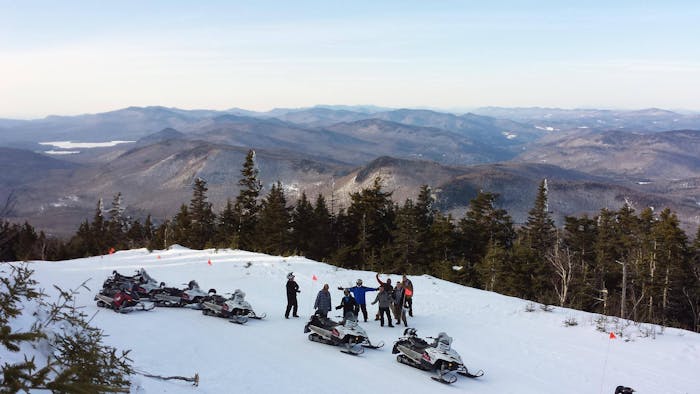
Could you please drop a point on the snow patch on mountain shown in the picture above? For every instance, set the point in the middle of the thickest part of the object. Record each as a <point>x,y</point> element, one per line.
<point>84,145</point>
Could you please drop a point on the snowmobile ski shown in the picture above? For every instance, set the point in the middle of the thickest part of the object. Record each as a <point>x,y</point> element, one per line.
<point>353,350</point>
<point>238,319</point>
<point>369,345</point>
<point>445,378</point>
<point>468,374</point>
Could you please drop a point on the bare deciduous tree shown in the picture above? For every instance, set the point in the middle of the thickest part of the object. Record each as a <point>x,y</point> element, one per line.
<point>561,259</point>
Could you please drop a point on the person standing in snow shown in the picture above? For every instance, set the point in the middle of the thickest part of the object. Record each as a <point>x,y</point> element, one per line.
<point>399,303</point>
<point>292,290</point>
<point>387,288</point>
<point>408,290</point>
<point>323,302</point>
<point>348,304</point>
<point>384,298</point>
<point>359,291</point>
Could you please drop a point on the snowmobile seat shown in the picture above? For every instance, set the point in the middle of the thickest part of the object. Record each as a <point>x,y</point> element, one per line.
<point>418,343</point>
<point>323,322</point>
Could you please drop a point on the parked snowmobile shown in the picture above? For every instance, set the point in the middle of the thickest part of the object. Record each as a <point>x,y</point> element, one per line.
<point>234,308</point>
<point>192,296</point>
<point>437,356</point>
<point>122,301</point>
<point>145,284</point>
<point>350,335</point>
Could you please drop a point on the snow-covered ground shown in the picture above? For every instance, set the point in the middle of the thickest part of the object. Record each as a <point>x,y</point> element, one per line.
<point>519,351</point>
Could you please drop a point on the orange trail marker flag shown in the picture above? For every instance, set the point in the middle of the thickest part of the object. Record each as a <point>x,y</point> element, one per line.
<point>209,262</point>
<point>612,335</point>
<point>314,277</point>
<point>111,250</point>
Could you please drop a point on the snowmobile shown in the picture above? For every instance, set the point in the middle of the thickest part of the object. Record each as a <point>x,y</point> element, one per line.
<point>437,356</point>
<point>122,301</point>
<point>192,296</point>
<point>145,283</point>
<point>348,334</point>
<point>235,308</point>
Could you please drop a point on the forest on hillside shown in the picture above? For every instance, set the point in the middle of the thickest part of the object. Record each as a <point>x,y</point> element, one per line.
<point>635,265</point>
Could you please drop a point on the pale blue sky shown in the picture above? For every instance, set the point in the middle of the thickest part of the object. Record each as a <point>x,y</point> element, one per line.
<point>70,57</point>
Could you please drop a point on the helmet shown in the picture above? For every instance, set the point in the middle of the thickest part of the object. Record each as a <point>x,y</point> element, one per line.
<point>359,282</point>
<point>290,275</point>
<point>346,292</point>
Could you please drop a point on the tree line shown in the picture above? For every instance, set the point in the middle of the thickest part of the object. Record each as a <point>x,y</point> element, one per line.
<point>635,265</point>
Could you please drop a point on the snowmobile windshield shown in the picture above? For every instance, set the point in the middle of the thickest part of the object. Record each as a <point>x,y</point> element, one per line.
<point>193,285</point>
<point>145,277</point>
<point>350,319</point>
<point>444,341</point>
<point>238,295</point>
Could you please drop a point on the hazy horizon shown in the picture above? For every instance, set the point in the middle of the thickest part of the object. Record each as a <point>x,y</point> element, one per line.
<point>75,57</point>
<point>444,110</point>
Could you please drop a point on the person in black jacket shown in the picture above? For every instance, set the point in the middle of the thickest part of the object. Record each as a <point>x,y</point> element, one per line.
<point>292,290</point>
<point>348,304</point>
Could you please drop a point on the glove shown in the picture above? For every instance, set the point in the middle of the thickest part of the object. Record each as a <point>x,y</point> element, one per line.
<point>340,288</point>
<point>338,307</point>
<point>298,291</point>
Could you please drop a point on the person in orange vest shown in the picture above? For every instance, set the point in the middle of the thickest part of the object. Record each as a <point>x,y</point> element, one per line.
<point>408,289</point>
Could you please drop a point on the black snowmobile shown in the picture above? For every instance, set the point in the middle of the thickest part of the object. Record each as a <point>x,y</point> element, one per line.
<point>437,356</point>
<point>191,296</point>
<point>140,284</point>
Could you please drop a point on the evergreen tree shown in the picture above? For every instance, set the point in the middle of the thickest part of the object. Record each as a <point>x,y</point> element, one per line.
<point>180,228</point>
<point>483,226</point>
<point>491,267</point>
<point>201,229</point>
<point>118,225</point>
<point>79,362</point>
<point>272,227</point>
<point>97,240</point>
<point>406,245</point>
<point>246,207</point>
<point>539,231</point>
<point>604,275</point>
<point>24,246</point>
<point>539,236</point>
<point>227,226</point>
<point>579,237</point>
<point>441,246</point>
<point>324,231</point>
<point>303,225</point>
<point>370,221</point>
<point>671,252</point>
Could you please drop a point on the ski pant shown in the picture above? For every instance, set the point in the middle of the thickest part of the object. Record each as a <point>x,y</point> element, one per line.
<point>409,302</point>
<point>400,315</point>
<point>363,308</point>
<point>383,311</point>
<point>291,306</point>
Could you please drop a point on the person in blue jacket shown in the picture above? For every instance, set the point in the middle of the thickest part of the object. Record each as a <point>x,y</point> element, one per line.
<point>359,292</point>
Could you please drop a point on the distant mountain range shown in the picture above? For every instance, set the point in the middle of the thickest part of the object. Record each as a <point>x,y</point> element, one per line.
<point>591,158</point>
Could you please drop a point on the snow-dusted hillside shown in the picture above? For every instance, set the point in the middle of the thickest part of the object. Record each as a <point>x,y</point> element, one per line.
<point>520,352</point>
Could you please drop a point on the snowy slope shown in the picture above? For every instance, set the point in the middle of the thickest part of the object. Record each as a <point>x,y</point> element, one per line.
<point>520,352</point>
